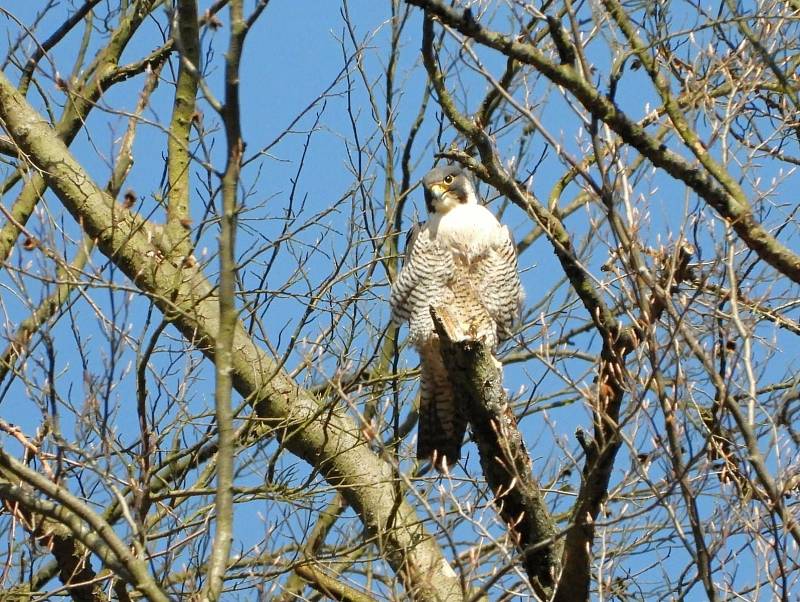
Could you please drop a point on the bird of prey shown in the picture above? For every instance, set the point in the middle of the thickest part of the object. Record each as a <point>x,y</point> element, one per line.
<point>463,259</point>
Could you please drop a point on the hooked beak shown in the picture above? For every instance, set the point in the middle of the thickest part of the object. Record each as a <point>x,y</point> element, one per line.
<point>433,195</point>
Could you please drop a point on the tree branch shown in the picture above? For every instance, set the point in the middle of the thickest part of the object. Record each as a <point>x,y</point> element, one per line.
<point>187,36</point>
<point>90,529</point>
<point>478,382</point>
<point>228,317</point>
<point>325,437</point>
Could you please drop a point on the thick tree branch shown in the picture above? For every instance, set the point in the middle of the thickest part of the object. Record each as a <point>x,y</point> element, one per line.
<point>478,382</point>
<point>325,437</point>
<point>187,35</point>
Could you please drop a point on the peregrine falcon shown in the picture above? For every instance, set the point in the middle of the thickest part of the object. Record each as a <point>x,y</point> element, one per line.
<point>464,259</point>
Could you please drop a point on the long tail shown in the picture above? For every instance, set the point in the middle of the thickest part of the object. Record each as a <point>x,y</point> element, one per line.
<point>442,422</point>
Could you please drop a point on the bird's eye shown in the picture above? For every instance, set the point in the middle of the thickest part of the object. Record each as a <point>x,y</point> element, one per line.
<point>448,179</point>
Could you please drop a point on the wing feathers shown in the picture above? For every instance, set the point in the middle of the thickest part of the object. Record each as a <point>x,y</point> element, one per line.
<point>497,282</point>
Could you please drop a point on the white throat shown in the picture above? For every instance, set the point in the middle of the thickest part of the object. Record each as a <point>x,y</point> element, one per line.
<point>469,230</point>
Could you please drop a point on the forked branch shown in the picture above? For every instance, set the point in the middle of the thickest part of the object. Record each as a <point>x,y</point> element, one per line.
<point>478,382</point>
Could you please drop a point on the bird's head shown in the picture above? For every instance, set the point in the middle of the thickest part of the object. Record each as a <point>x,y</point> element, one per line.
<point>448,187</point>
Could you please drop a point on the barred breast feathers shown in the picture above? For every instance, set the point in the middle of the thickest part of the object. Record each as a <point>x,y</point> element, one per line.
<point>472,267</point>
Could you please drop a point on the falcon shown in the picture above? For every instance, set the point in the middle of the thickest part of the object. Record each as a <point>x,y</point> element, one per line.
<point>463,259</point>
